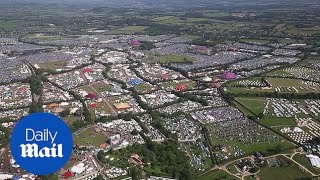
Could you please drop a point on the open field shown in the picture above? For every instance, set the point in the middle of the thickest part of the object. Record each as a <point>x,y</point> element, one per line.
<point>302,159</point>
<point>263,147</point>
<point>89,137</point>
<point>288,173</point>
<point>101,87</point>
<point>217,175</point>
<point>273,121</point>
<point>54,65</point>
<point>256,105</point>
<point>128,30</point>
<point>167,59</point>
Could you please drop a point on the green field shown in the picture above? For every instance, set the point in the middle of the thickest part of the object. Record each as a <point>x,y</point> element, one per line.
<point>89,137</point>
<point>302,159</point>
<point>282,173</point>
<point>273,121</point>
<point>133,28</point>
<point>128,30</point>
<point>256,105</point>
<point>167,59</point>
<point>102,87</point>
<point>243,109</point>
<point>257,41</point>
<point>283,82</point>
<point>162,18</point>
<point>143,87</point>
<point>54,65</point>
<point>263,147</point>
<point>232,168</point>
<point>212,175</point>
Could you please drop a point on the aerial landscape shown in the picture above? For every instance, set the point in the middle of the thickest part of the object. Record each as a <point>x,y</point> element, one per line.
<point>163,90</point>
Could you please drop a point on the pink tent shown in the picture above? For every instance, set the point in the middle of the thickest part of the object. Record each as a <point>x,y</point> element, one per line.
<point>135,43</point>
<point>228,75</point>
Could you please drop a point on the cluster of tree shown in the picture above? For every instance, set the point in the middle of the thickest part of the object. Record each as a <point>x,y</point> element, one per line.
<point>64,113</point>
<point>36,87</point>
<point>5,137</point>
<point>157,123</point>
<point>76,125</point>
<point>192,97</point>
<point>105,74</point>
<point>36,84</point>
<point>160,29</point>
<point>146,45</point>
<point>125,116</point>
<point>184,73</point>
<point>49,177</point>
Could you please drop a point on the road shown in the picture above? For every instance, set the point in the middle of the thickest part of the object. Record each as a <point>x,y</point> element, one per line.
<point>105,100</point>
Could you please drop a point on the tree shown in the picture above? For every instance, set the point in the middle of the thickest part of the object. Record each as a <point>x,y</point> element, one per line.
<point>64,113</point>
<point>49,177</point>
<point>135,173</point>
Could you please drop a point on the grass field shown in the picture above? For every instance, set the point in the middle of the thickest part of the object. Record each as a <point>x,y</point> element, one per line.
<point>273,121</point>
<point>256,105</point>
<point>258,41</point>
<point>172,85</point>
<point>102,87</point>
<point>283,173</point>
<point>89,137</point>
<point>217,175</point>
<point>243,109</point>
<point>283,82</point>
<point>167,59</point>
<point>162,18</point>
<point>88,89</point>
<point>103,108</point>
<point>302,159</point>
<point>262,147</point>
<point>232,168</point>
<point>54,65</point>
<point>143,87</point>
<point>129,30</point>
<point>286,86</point>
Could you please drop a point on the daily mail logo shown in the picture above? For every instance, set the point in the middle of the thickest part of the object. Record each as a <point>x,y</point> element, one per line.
<point>32,150</point>
<point>41,143</point>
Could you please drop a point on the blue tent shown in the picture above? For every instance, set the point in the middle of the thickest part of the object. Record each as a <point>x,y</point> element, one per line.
<point>15,177</point>
<point>135,82</point>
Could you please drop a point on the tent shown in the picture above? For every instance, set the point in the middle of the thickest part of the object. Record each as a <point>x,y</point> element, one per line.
<point>181,87</point>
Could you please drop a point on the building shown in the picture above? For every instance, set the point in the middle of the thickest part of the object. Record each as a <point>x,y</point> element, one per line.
<point>136,160</point>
